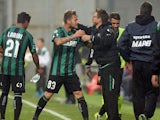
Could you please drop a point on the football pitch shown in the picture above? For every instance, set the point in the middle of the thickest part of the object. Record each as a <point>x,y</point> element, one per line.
<point>57,110</point>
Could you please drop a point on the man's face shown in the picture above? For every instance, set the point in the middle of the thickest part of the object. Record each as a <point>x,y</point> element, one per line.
<point>95,19</point>
<point>115,23</point>
<point>73,22</point>
<point>39,44</point>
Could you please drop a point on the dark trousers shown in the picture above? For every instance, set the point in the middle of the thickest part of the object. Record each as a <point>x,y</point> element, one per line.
<point>144,95</point>
<point>41,84</point>
<point>111,77</point>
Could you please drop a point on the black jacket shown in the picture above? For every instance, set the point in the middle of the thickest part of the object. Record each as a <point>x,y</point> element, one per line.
<point>105,45</point>
<point>156,55</point>
<point>136,42</point>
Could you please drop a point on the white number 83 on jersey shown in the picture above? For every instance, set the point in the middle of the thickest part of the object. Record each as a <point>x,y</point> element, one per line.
<point>51,85</point>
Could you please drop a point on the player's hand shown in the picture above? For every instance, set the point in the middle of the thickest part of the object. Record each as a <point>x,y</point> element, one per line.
<point>79,33</point>
<point>89,72</point>
<point>86,38</point>
<point>155,81</point>
<point>129,67</point>
<point>40,70</point>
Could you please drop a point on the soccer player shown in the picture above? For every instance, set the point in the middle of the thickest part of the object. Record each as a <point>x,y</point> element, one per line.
<point>136,47</point>
<point>106,55</point>
<point>65,40</point>
<point>13,44</point>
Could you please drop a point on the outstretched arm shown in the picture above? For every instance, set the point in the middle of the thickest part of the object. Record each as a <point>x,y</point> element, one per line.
<point>60,41</point>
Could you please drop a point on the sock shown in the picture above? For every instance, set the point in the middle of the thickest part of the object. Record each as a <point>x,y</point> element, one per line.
<point>41,104</point>
<point>102,110</point>
<point>3,103</point>
<point>17,105</point>
<point>82,105</point>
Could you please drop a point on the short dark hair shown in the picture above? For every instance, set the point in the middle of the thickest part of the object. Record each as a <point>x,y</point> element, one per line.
<point>101,13</point>
<point>22,17</point>
<point>68,14</point>
<point>115,15</point>
<point>41,39</point>
<point>146,8</point>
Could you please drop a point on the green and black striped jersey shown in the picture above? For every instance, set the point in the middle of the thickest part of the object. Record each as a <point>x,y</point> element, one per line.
<point>14,42</point>
<point>63,56</point>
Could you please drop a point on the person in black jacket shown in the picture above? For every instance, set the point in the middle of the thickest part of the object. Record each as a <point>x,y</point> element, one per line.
<point>156,60</point>
<point>106,55</point>
<point>136,47</point>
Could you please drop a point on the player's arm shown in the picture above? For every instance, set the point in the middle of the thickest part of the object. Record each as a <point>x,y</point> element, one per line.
<point>86,38</point>
<point>89,62</point>
<point>60,41</point>
<point>1,50</point>
<point>32,48</point>
<point>87,30</point>
<point>156,60</point>
<point>36,62</point>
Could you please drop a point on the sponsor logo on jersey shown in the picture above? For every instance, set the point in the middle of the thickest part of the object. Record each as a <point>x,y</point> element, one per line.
<point>143,37</point>
<point>142,41</point>
<point>71,44</point>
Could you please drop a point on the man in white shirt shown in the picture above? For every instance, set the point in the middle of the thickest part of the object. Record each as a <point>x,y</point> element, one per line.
<point>44,58</point>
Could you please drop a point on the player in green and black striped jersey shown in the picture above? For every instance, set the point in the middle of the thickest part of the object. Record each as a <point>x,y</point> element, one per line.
<point>63,56</point>
<point>62,71</point>
<point>13,44</point>
<point>15,41</point>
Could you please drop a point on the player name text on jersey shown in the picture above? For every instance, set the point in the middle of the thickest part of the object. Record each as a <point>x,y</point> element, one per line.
<point>14,35</point>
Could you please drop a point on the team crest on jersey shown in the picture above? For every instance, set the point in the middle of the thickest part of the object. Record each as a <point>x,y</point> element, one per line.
<point>55,33</point>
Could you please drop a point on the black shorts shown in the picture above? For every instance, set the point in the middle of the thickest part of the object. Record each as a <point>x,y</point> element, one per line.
<point>54,83</point>
<point>17,82</point>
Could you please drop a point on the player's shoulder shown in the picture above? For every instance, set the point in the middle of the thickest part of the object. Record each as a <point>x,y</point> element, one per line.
<point>5,30</point>
<point>58,30</point>
<point>29,35</point>
<point>109,29</point>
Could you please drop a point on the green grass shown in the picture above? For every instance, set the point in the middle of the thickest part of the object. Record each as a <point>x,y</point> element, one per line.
<point>70,111</point>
